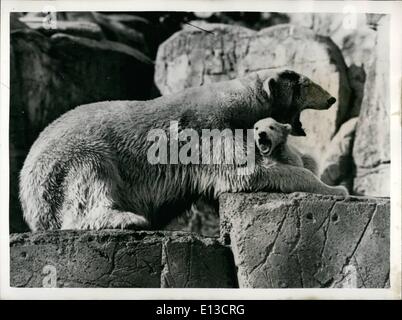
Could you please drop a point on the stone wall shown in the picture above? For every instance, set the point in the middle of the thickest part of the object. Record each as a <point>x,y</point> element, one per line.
<point>120,259</point>
<point>307,240</point>
<point>271,240</point>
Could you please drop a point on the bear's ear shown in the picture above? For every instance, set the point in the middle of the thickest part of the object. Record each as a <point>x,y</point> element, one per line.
<point>269,86</point>
<point>290,75</point>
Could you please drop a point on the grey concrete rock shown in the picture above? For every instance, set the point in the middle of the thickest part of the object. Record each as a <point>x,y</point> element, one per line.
<point>305,240</point>
<point>373,181</point>
<point>349,31</point>
<point>192,58</point>
<point>112,258</point>
<point>371,150</point>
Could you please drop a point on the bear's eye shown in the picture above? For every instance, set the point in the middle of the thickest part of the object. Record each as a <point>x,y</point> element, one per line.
<point>272,128</point>
<point>256,128</point>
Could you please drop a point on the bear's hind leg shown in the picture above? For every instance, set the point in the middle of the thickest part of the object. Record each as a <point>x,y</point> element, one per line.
<point>92,199</point>
<point>93,207</point>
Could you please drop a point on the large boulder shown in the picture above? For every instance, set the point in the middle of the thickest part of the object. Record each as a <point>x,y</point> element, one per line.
<point>113,258</point>
<point>350,32</point>
<point>192,58</point>
<point>371,150</point>
<point>307,241</point>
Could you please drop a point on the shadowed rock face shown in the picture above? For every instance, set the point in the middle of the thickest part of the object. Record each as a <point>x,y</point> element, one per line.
<point>51,75</point>
<point>113,258</point>
<point>339,165</point>
<point>306,240</point>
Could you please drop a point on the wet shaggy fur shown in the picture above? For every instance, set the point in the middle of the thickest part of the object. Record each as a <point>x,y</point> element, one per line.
<point>89,169</point>
<point>282,155</point>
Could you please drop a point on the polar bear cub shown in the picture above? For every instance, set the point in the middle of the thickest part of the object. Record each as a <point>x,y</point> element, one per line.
<point>271,140</point>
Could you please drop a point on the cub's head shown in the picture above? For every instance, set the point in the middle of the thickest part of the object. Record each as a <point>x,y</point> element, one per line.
<point>269,134</point>
<point>290,93</point>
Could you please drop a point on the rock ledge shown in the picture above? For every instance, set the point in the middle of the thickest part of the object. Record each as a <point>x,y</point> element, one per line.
<point>114,258</point>
<point>305,240</point>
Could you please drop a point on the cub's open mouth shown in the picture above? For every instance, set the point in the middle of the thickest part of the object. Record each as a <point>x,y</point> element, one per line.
<point>264,144</point>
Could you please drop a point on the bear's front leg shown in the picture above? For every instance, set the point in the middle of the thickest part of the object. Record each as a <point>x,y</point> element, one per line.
<point>106,218</point>
<point>287,179</point>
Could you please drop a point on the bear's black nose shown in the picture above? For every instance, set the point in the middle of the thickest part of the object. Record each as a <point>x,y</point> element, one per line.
<point>331,101</point>
<point>263,135</point>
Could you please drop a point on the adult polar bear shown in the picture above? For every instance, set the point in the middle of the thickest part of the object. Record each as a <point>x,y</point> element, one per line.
<point>89,170</point>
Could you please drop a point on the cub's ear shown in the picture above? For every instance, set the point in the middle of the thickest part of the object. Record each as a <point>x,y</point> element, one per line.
<point>269,86</point>
<point>287,127</point>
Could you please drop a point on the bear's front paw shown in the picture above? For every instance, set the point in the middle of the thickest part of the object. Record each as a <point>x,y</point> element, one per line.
<point>341,191</point>
<point>125,220</point>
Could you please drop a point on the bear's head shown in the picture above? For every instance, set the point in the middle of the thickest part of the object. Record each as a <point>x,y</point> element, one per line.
<point>269,134</point>
<point>290,93</point>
